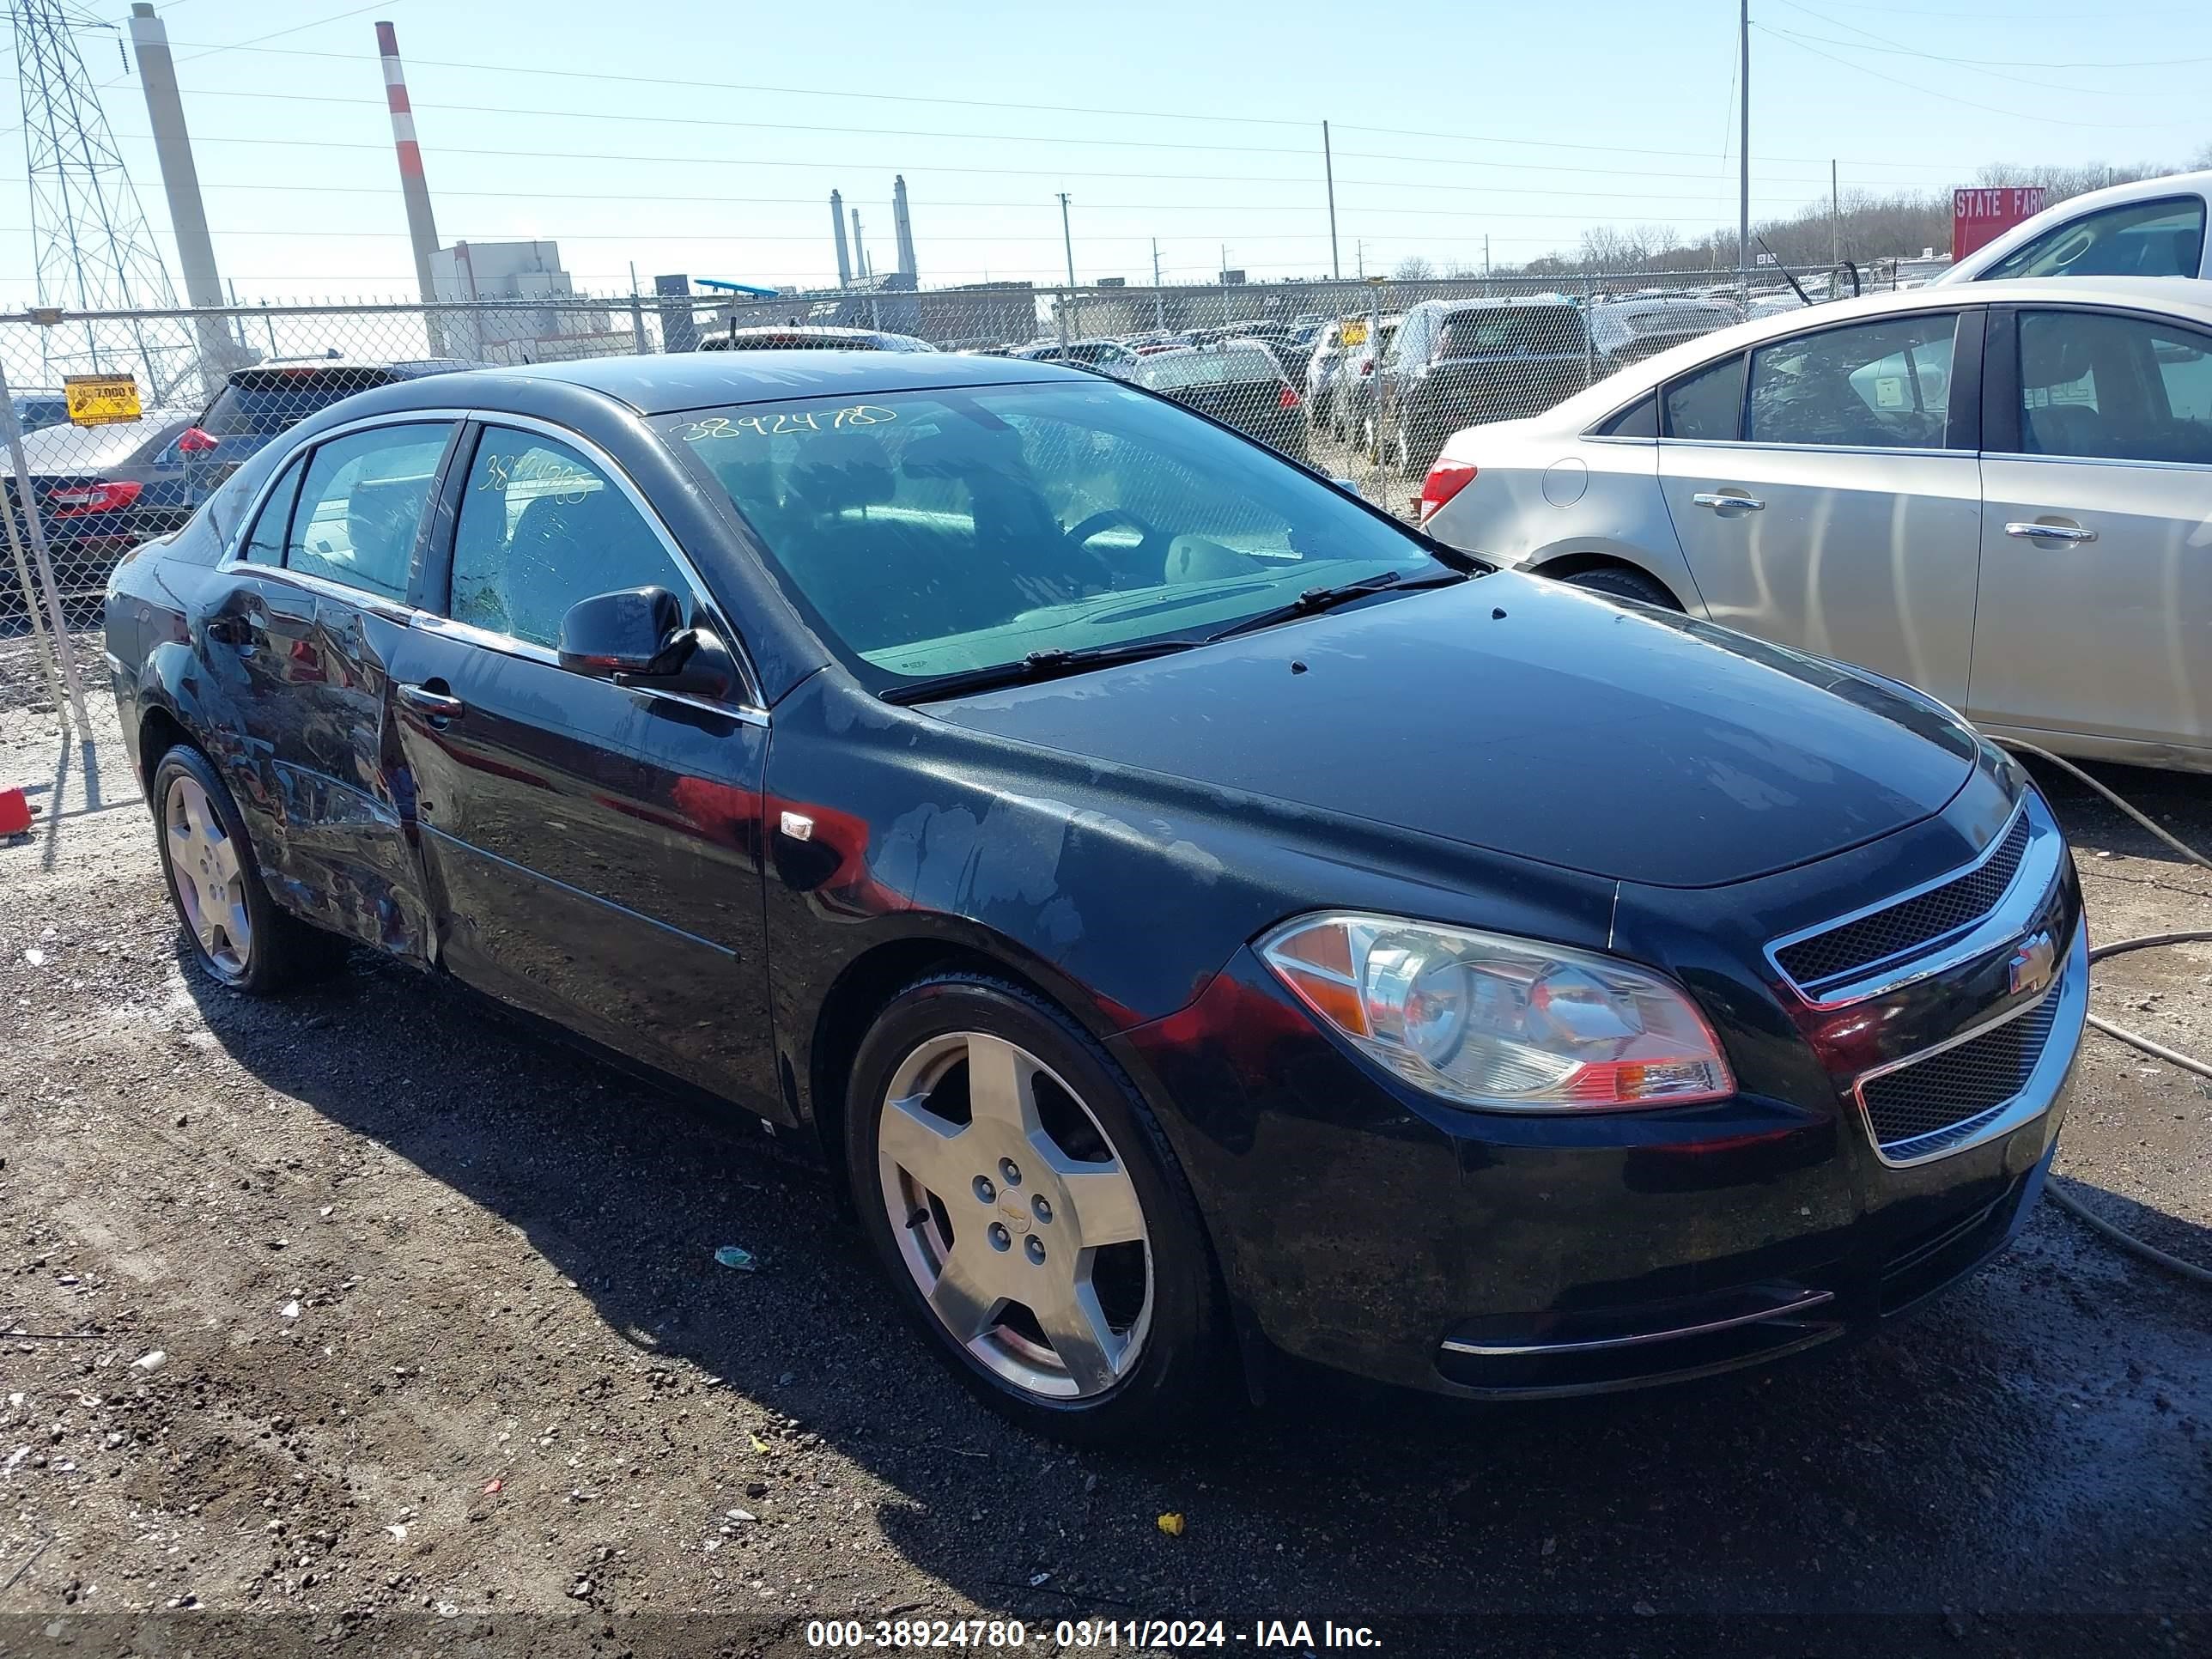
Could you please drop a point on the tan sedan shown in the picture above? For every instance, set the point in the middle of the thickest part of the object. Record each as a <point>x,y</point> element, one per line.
<point>1999,492</point>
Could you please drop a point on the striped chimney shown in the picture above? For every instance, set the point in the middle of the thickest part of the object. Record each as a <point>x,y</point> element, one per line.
<point>421,229</point>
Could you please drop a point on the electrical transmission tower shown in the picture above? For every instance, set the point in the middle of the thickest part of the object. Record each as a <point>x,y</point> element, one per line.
<point>94,251</point>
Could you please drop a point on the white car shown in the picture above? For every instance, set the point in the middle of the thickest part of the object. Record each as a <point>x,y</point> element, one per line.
<point>2152,227</point>
<point>2002,495</point>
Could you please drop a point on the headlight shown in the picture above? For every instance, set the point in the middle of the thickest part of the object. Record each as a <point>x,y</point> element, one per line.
<point>1489,1021</point>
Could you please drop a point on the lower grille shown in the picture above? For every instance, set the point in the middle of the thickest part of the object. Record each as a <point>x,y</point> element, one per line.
<point>1920,1108</point>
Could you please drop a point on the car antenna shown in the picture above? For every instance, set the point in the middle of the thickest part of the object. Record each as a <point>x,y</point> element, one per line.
<point>1803,296</point>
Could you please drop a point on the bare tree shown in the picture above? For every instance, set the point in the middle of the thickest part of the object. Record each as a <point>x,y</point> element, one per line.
<point>1413,269</point>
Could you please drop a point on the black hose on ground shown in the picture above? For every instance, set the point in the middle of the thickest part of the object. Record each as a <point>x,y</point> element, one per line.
<point>2124,1240</point>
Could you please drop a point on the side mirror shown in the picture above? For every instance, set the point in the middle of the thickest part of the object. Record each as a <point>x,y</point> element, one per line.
<point>638,637</point>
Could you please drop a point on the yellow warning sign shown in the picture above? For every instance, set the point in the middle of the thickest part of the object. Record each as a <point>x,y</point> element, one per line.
<point>102,399</point>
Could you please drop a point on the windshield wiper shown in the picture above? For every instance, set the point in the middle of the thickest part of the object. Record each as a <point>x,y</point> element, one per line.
<point>1317,599</point>
<point>1037,665</point>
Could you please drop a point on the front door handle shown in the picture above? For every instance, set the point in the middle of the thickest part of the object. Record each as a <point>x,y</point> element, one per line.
<point>1718,500</point>
<point>2055,533</point>
<point>436,705</point>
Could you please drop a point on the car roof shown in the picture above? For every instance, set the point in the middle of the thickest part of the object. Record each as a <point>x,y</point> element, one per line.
<point>667,384</point>
<point>1498,301</point>
<point>2189,298</point>
<point>410,370</point>
<point>2139,190</point>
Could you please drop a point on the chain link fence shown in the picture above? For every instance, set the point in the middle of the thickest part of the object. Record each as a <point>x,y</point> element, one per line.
<point>1362,380</point>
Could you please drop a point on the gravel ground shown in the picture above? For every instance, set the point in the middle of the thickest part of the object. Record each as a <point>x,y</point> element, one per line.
<point>361,1311</point>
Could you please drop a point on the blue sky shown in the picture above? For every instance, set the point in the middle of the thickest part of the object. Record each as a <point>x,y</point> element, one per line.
<point>708,139</point>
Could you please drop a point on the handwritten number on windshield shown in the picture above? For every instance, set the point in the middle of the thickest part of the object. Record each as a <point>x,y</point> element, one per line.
<point>776,424</point>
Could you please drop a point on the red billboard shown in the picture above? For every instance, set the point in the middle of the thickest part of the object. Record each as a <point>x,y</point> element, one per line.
<point>1984,213</point>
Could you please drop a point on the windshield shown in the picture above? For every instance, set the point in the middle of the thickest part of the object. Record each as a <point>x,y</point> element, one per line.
<point>1232,365</point>
<point>938,532</point>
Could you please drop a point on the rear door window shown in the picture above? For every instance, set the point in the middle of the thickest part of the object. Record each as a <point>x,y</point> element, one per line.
<point>1883,384</point>
<point>360,506</point>
<point>1707,407</point>
<point>2165,238</point>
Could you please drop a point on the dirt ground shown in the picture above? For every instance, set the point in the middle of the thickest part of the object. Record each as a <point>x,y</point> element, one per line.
<point>356,1321</point>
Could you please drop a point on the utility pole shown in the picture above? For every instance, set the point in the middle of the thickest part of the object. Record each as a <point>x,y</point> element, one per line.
<point>1743,158</point>
<point>1328,168</point>
<point>1067,242</point>
<point>1835,229</point>
<point>1159,300</point>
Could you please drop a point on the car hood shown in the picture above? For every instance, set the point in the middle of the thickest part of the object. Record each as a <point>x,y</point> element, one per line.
<point>1528,718</point>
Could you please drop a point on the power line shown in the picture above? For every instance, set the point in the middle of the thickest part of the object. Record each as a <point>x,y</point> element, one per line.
<point>988,137</point>
<point>2040,116</point>
<point>912,167</point>
<point>1899,46</point>
<point>600,77</point>
<point>812,202</point>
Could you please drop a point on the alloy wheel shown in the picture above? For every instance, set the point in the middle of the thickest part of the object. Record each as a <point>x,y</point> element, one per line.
<point>209,877</point>
<point>1016,1215</point>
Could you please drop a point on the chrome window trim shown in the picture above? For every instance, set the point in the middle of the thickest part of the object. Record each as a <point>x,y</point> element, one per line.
<point>233,560</point>
<point>700,593</point>
<point>2071,987</point>
<point>1519,1350</point>
<point>2097,460</point>
<point>392,609</point>
<point>529,651</point>
<point>2000,925</point>
<point>1752,444</point>
<point>750,710</point>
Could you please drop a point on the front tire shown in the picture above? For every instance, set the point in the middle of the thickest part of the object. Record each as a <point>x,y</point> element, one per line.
<point>238,936</point>
<point>1030,1214</point>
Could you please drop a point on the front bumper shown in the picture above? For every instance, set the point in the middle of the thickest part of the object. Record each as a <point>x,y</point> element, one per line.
<point>1367,1227</point>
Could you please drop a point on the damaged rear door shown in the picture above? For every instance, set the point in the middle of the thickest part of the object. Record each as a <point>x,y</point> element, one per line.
<point>321,598</point>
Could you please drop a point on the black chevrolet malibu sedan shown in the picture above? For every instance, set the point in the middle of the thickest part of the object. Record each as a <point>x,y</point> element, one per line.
<point>1200,919</point>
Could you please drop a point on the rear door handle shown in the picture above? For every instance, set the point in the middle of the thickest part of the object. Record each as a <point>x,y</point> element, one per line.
<point>435,704</point>
<point>1716,501</point>
<point>2055,533</point>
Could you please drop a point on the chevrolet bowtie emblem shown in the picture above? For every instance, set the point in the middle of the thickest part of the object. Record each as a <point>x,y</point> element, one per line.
<point>2033,964</point>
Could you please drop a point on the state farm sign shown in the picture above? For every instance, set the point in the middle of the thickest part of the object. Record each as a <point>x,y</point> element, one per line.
<point>1982,215</point>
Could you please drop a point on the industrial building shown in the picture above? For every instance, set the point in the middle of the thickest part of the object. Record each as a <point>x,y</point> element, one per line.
<point>503,279</point>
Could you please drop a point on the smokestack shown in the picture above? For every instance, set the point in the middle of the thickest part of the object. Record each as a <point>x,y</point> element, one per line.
<point>421,229</point>
<point>838,224</point>
<point>903,228</point>
<point>180,180</point>
<point>859,248</point>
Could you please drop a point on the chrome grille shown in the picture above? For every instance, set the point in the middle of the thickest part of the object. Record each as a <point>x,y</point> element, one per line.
<point>1919,1109</point>
<point>1911,924</point>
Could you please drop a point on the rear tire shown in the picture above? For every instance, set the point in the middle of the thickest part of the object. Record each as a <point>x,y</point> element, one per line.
<point>1035,1227</point>
<point>1617,581</point>
<point>238,935</point>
